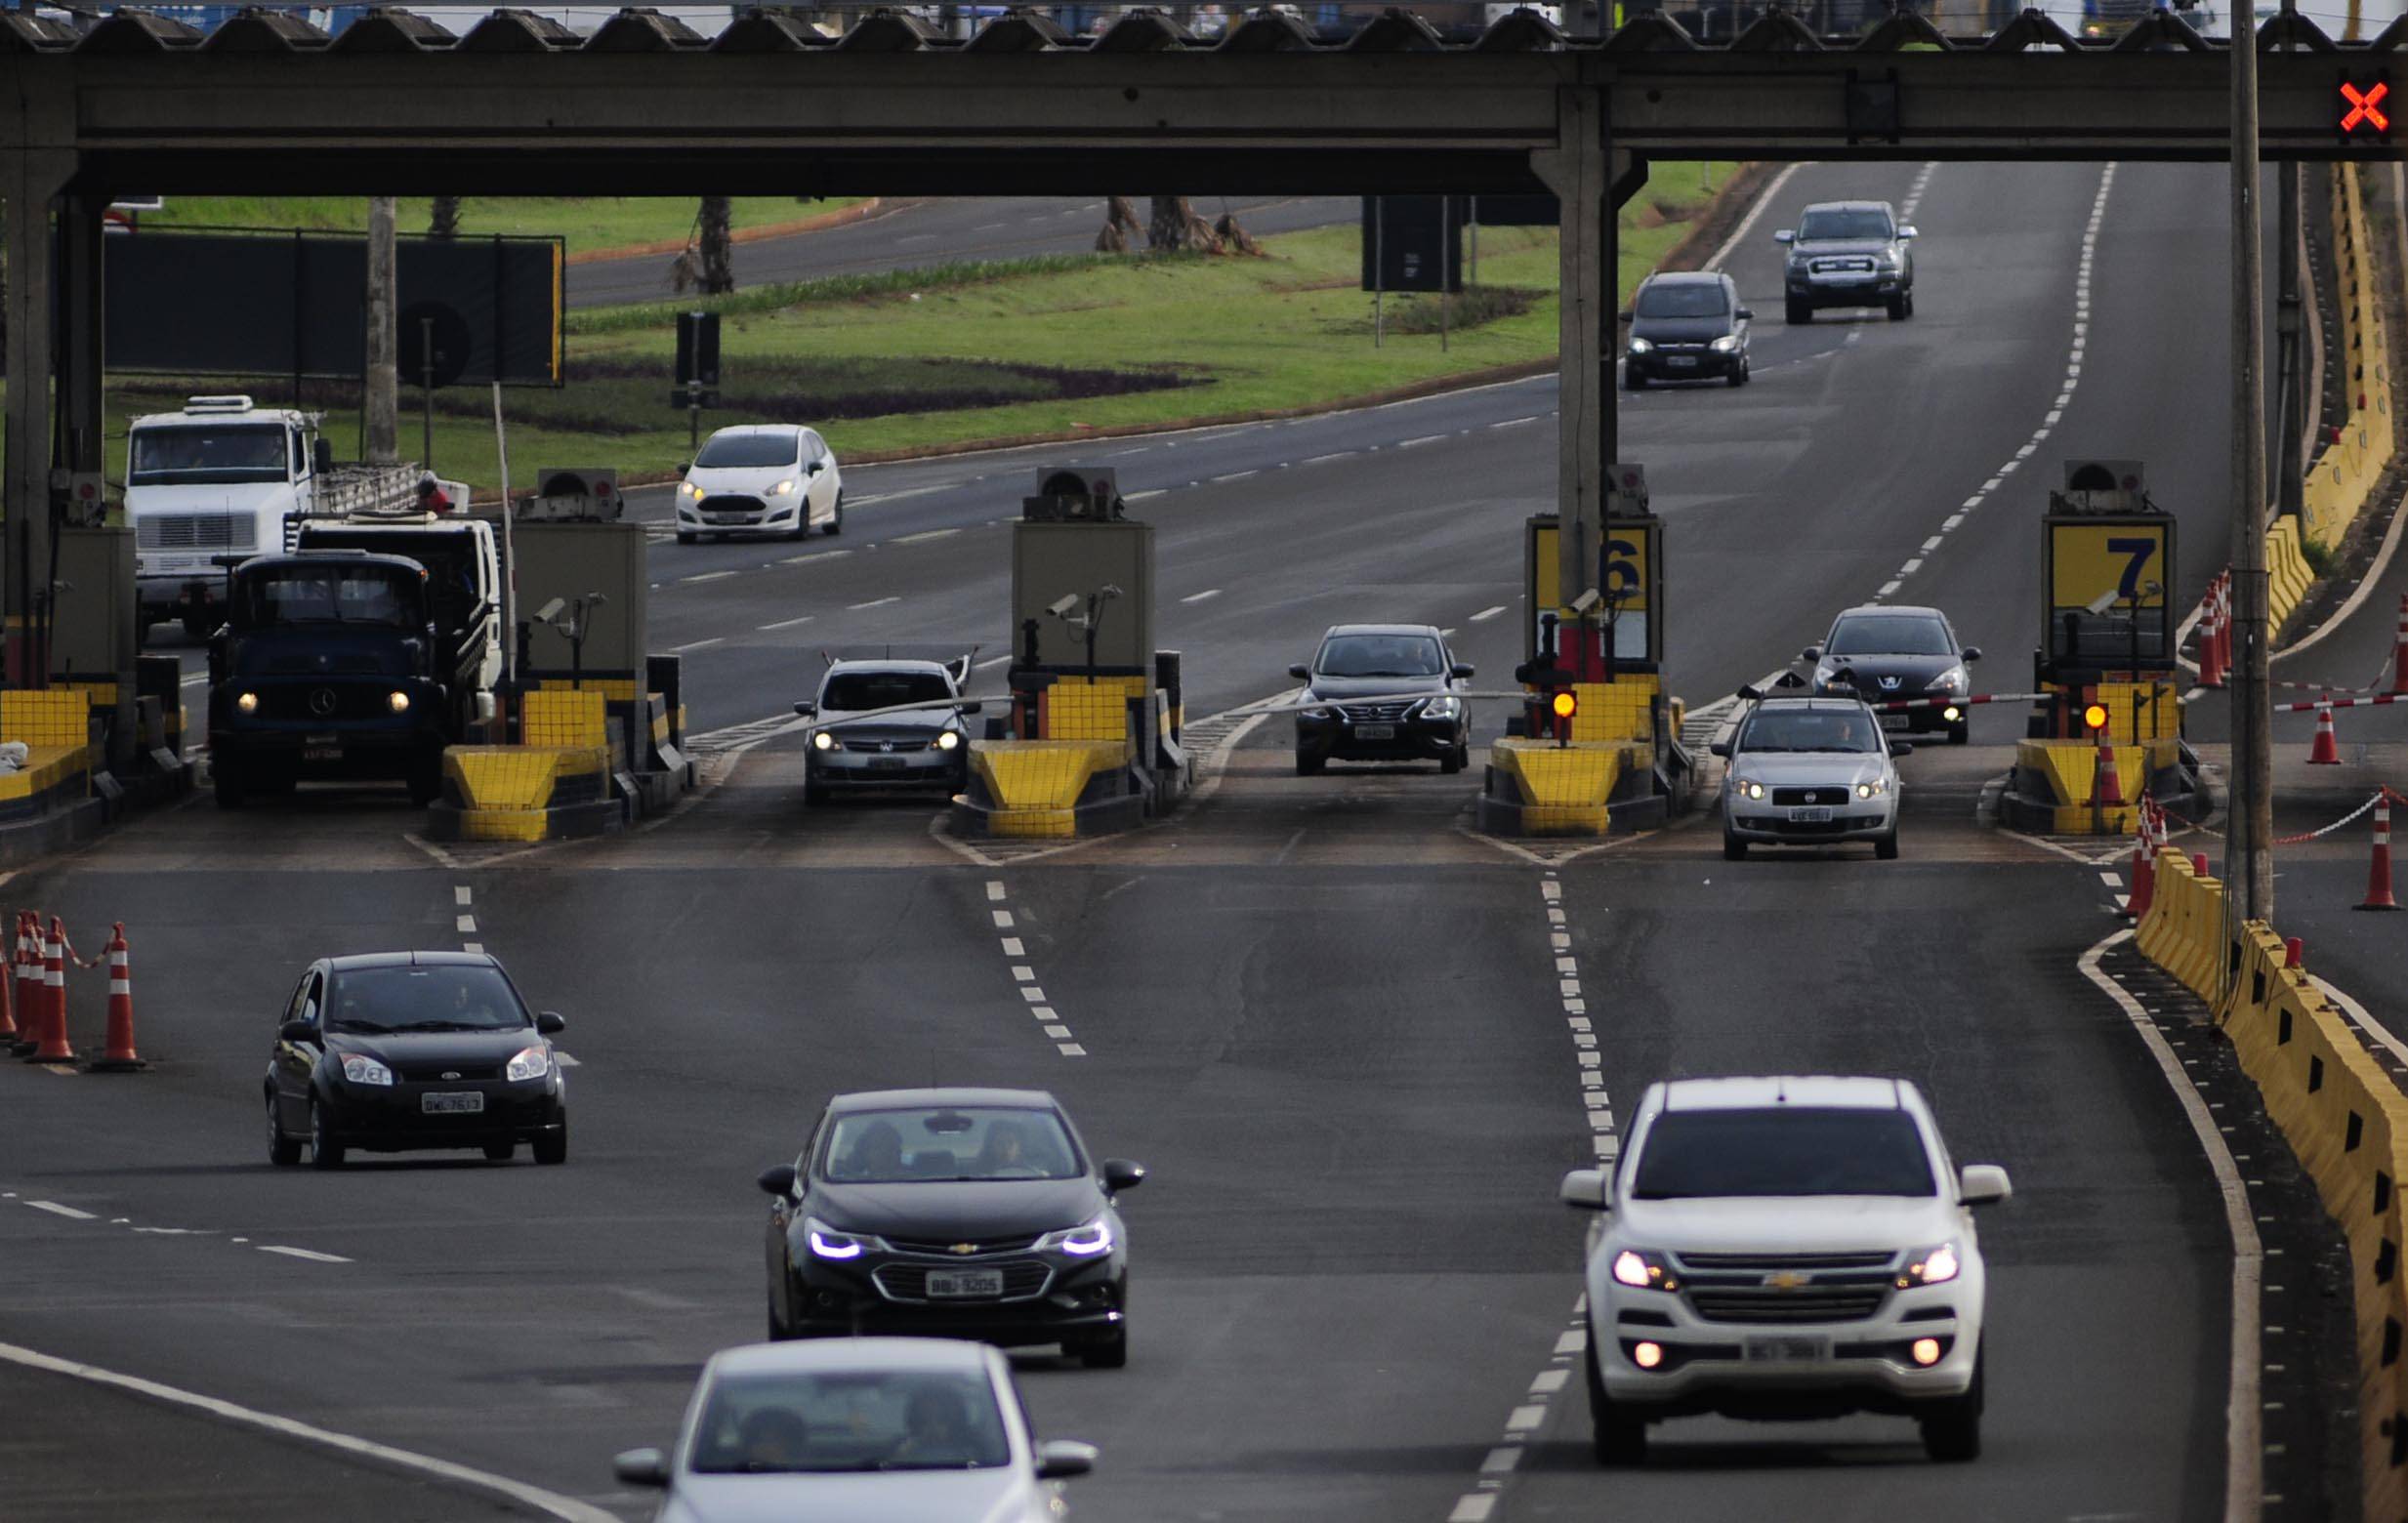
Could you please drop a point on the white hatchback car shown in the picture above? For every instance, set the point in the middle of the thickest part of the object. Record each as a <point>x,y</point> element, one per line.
<point>766,480</point>
<point>1780,1249</point>
<point>858,1430</point>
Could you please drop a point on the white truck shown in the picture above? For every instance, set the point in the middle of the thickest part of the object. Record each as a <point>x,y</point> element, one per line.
<point>463,564</point>
<point>221,478</point>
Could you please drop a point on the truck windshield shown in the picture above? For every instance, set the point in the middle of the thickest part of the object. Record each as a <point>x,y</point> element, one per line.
<point>1842,223</point>
<point>211,454</point>
<point>333,594</point>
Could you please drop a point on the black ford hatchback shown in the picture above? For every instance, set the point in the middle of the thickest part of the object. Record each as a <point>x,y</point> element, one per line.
<point>400,1052</point>
<point>1687,326</point>
<point>952,1212</point>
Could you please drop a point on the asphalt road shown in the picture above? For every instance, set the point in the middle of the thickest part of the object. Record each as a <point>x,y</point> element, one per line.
<point>1326,1016</point>
<point>914,233</point>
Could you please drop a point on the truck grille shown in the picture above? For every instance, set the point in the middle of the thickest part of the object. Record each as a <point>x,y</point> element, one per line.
<point>1023,1280</point>
<point>1844,265</point>
<point>195,531</point>
<point>1810,1304</point>
<point>1808,1263</point>
<point>311,701</point>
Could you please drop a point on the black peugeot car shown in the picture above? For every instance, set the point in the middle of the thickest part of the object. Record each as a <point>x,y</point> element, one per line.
<point>1687,326</point>
<point>1884,653</point>
<point>952,1213</point>
<point>1383,692</point>
<point>403,1051</point>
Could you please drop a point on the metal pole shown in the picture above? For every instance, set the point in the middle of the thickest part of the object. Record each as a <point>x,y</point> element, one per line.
<point>2251,865</point>
<point>1379,267</point>
<point>2290,361</point>
<point>426,388</point>
<point>1475,240</point>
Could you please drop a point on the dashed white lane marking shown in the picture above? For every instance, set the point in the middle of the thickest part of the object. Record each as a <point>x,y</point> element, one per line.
<point>195,680</point>
<point>698,644</point>
<point>786,624</point>
<point>704,576</point>
<point>466,925</point>
<point>815,557</point>
<point>311,1255</point>
<point>1003,920</point>
<point>551,1504</point>
<point>1024,980</point>
<point>1473,1508</point>
<point>1205,595</point>
<point>1319,460</point>
<point>1139,497</point>
<point>1486,614</point>
<point>473,946</point>
<point>460,894</point>
<point>923,536</point>
<point>1514,423</point>
<point>1232,476</point>
<point>875,602</point>
<point>69,1211</point>
<point>995,892</point>
<point>1418,443</point>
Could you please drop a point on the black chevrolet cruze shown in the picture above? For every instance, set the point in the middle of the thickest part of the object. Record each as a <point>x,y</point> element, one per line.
<point>398,1052</point>
<point>954,1212</point>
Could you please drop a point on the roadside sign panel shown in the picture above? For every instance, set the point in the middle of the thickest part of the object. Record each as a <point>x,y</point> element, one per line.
<point>2109,602</point>
<point>1628,577</point>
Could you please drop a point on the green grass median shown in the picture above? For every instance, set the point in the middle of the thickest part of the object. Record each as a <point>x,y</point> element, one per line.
<point>588,223</point>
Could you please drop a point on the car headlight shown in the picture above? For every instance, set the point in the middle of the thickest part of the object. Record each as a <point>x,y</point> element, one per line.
<point>782,487</point>
<point>398,702</point>
<point>1874,789</point>
<point>1728,344</point>
<point>828,1243</point>
<point>1084,1241</point>
<point>362,1069</point>
<point>1641,347</point>
<point>1313,714</point>
<point>1930,1266</point>
<point>1953,680</point>
<point>1643,1270</point>
<point>947,740</point>
<point>248,703</point>
<point>821,740</point>
<point>1747,788</point>
<point>688,489</point>
<point>531,1063</point>
<point>1445,708</point>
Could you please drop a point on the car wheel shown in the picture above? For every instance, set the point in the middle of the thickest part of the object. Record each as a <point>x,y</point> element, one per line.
<point>1898,309</point>
<point>1952,1428</point>
<point>1886,848</point>
<point>1739,373</point>
<point>1615,1437</point>
<point>553,1146</point>
<point>1799,313</point>
<point>685,538</point>
<point>1733,848</point>
<point>282,1151</point>
<point>324,1151</point>
<point>1632,380</point>
<point>1961,732</point>
<point>836,521</point>
<point>814,792</point>
<point>197,626</point>
<point>426,781</point>
<point>1455,761</point>
<point>225,780</point>
<point>1111,1353</point>
<point>1309,766</point>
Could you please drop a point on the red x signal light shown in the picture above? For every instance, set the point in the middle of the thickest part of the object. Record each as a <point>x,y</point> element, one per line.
<point>2363,116</point>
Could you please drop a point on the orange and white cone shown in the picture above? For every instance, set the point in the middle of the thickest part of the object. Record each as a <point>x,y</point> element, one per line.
<point>119,1057</point>
<point>2378,870</point>
<point>55,1048</point>
<point>2106,783</point>
<point>2212,636</point>
<point>2143,862</point>
<point>26,980</point>
<point>2327,749</point>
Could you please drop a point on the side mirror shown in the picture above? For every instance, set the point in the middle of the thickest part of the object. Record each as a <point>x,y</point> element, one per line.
<point>1301,672</point>
<point>1060,1458</point>
<point>1901,748</point>
<point>1720,748</point>
<point>814,467</point>
<point>1626,317</point>
<point>1119,1175</point>
<point>1747,314</point>
<point>1973,652</point>
<point>1786,235</point>
<point>296,1031</point>
<point>1585,1188</point>
<point>686,467</point>
<point>549,1024</point>
<point>1463,672</point>
<point>1812,653</point>
<point>808,711</point>
<point>1983,1185</point>
<point>641,1467</point>
<point>972,707</point>
<point>321,457</point>
<point>778,1181</point>
<point>1906,233</point>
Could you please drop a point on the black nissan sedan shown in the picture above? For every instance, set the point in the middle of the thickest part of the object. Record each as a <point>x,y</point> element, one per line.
<point>1383,692</point>
<point>403,1051</point>
<point>970,1214</point>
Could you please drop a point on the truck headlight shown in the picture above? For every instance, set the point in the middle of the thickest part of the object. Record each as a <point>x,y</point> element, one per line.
<point>1932,1266</point>
<point>248,703</point>
<point>398,702</point>
<point>1641,1270</point>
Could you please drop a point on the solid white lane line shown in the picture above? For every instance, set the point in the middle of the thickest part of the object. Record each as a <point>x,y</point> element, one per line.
<point>875,602</point>
<point>1206,596</point>
<point>1485,615</point>
<point>787,624</point>
<point>310,1255</point>
<point>195,680</point>
<point>69,1211</point>
<point>552,1503</point>
<point>698,644</point>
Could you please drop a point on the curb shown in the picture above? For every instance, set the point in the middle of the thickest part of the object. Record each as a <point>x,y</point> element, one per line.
<point>840,218</point>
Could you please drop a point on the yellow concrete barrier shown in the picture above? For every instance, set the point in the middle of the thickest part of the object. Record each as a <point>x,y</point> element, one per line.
<point>2067,767</point>
<point>1036,784</point>
<point>1087,708</point>
<point>507,793</point>
<point>56,726</point>
<point>1620,710</point>
<point>2346,473</point>
<point>1563,789</point>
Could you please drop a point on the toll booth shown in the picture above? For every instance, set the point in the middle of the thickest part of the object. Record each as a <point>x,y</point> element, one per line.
<point>1594,652</point>
<point>1091,739</point>
<point>2106,667</point>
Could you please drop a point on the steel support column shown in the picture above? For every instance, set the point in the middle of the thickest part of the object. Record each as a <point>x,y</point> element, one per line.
<point>1579,169</point>
<point>2291,352</point>
<point>29,181</point>
<point>78,433</point>
<point>2251,868</point>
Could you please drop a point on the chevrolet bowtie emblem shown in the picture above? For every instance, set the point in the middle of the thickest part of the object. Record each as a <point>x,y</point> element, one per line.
<point>965,1248</point>
<point>1786,1280</point>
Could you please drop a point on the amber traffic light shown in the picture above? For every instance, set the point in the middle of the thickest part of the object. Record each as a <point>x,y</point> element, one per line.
<point>1564,703</point>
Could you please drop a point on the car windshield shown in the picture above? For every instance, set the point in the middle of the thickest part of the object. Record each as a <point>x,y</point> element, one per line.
<point>169,455</point>
<point>1381,655</point>
<point>1843,224</point>
<point>948,1144</point>
<point>1889,634</point>
<point>818,1421</point>
<point>853,691</point>
<point>1681,299</point>
<point>1811,729</point>
<point>445,997</point>
<point>330,591</point>
<point>1788,1151</point>
<point>735,451</point>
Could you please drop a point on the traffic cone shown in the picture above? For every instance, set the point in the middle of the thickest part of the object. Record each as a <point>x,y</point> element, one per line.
<point>2295,952</point>
<point>55,1048</point>
<point>2224,622</point>
<point>2106,784</point>
<point>2143,863</point>
<point>2378,870</point>
<point>2399,650</point>
<point>2327,749</point>
<point>2212,636</point>
<point>119,1058</point>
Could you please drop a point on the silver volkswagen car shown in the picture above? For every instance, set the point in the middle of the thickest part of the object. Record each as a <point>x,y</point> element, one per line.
<point>858,1430</point>
<point>1809,771</point>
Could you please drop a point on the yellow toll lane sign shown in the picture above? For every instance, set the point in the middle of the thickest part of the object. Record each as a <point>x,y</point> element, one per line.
<point>2125,563</point>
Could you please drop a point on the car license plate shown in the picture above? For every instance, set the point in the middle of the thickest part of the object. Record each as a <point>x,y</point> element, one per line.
<point>452,1103</point>
<point>1896,720</point>
<point>727,517</point>
<point>885,763</point>
<point>959,1283</point>
<point>321,753</point>
<point>1818,815</point>
<point>1788,1350</point>
<point>1679,360</point>
<point>1375,733</point>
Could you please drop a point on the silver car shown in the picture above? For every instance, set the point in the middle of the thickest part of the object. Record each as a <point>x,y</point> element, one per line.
<point>1809,771</point>
<point>1848,254</point>
<point>858,1430</point>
